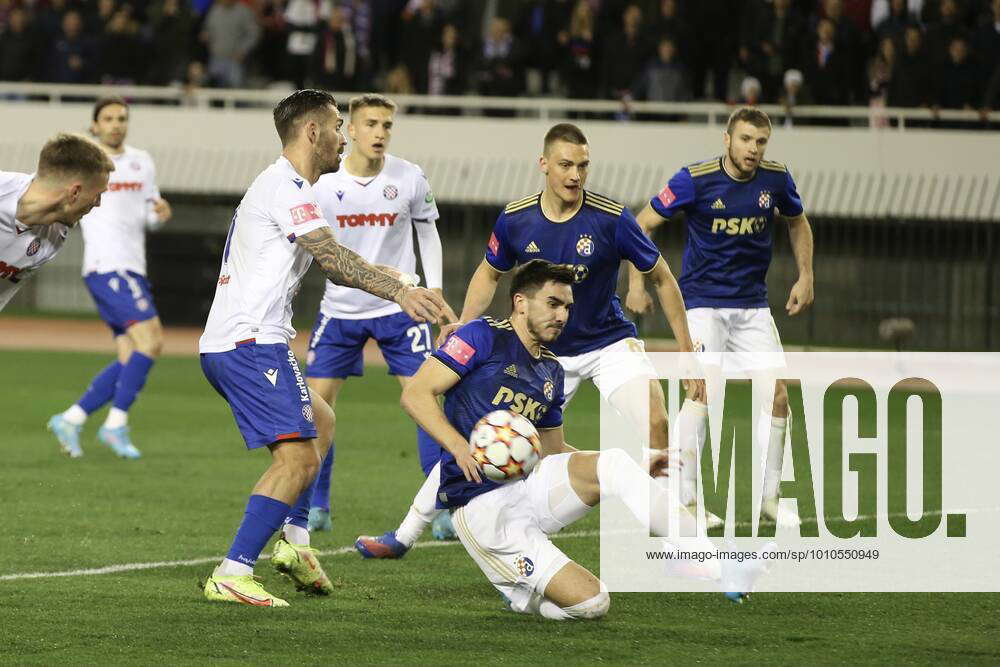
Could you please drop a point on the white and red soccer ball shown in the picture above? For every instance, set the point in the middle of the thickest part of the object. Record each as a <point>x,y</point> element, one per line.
<point>505,445</point>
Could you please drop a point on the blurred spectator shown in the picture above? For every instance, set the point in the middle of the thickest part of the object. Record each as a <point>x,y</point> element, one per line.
<point>195,78</point>
<point>880,72</point>
<point>577,42</point>
<point>19,48</point>
<point>119,51</point>
<point>664,79</point>
<point>791,89</point>
<point>447,65</point>
<point>910,85</point>
<point>360,18</point>
<point>303,19</point>
<point>716,23</point>
<point>668,23</point>
<point>628,52</point>
<point>959,86</point>
<point>826,67</point>
<point>771,43</point>
<point>49,20</point>
<point>171,25</point>
<point>750,90</point>
<point>230,32</point>
<point>99,16</point>
<point>538,25</point>
<point>942,32</point>
<point>421,25</point>
<point>273,42</point>
<point>852,47</point>
<point>986,42</point>
<point>499,70</point>
<point>894,21</point>
<point>889,9</point>
<point>71,59</point>
<point>398,82</point>
<point>335,58</point>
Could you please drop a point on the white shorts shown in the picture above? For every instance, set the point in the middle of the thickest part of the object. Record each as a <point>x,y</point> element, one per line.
<point>747,336</point>
<point>506,531</point>
<point>623,361</point>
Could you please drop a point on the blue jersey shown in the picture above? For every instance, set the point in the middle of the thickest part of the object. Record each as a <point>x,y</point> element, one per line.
<point>498,373</point>
<point>593,242</point>
<point>730,230</point>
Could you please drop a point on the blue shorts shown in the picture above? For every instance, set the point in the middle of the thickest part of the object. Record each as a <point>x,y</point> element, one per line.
<point>336,346</point>
<point>265,390</point>
<point>123,298</point>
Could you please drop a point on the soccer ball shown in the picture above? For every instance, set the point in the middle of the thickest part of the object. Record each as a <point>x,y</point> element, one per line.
<point>505,445</point>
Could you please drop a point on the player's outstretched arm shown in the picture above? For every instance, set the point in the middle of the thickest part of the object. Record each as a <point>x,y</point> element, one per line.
<point>420,400</point>
<point>637,299</point>
<point>478,297</point>
<point>672,302</point>
<point>345,267</point>
<point>801,236</point>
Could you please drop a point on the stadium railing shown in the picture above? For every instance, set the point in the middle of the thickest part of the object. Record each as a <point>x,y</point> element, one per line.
<point>535,107</point>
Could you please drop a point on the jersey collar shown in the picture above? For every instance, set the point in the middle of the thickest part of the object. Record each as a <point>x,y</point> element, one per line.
<point>722,165</point>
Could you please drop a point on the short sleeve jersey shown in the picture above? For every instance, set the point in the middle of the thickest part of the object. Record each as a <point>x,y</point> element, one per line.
<point>114,233</point>
<point>23,249</point>
<point>594,242</point>
<point>730,230</point>
<point>374,217</point>
<point>497,372</point>
<point>262,265</point>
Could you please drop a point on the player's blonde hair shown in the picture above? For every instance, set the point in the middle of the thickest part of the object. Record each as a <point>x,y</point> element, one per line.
<point>755,117</point>
<point>370,100</point>
<point>68,154</point>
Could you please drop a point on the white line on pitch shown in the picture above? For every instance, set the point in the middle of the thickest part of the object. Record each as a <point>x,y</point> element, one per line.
<point>156,565</point>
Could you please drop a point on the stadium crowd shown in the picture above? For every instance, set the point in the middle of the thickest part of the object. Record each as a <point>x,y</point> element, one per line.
<point>910,53</point>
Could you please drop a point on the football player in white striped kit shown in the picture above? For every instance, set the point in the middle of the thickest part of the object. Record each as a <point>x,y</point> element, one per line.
<point>114,270</point>
<point>374,203</point>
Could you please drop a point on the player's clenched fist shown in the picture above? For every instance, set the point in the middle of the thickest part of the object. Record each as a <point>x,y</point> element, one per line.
<point>422,304</point>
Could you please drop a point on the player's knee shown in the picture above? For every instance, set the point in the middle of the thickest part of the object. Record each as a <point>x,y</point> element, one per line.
<point>591,609</point>
<point>780,400</point>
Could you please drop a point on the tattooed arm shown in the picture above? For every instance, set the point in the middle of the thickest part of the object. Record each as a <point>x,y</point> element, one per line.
<point>345,267</point>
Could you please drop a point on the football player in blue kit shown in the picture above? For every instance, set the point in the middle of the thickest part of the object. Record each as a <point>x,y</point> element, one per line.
<point>505,528</point>
<point>732,203</point>
<point>567,224</point>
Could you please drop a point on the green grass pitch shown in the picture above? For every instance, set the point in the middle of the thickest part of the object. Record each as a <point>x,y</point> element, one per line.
<point>185,497</point>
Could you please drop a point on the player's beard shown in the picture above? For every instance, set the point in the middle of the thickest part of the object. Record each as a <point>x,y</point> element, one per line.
<point>738,164</point>
<point>327,155</point>
<point>542,332</point>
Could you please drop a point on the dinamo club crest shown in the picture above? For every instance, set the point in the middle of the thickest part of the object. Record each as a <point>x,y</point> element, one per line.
<point>764,201</point>
<point>585,246</point>
<point>548,390</point>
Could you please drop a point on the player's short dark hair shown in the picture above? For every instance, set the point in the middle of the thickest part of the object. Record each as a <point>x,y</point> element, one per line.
<point>567,132</point>
<point>755,117</point>
<point>290,111</point>
<point>67,155</point>
<point>370,100</point>
<point>106,102</point>
<point>532,276</point>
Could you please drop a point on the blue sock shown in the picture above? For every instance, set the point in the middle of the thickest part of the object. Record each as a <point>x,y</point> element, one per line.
<point>428,450</point>
<point>263,516</point>
<point>321,492</point>
<point>101,389</point>
<point>299,515</point>
<point>131,381</point>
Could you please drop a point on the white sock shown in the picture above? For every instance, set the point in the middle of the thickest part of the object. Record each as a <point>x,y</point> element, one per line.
<point>690,430</point>
<point>422,511</point>
<point>116,418</point>
<point>296,535</point>
<point>75,415</point>
<point>771,433</point>
<point>232,568</point>
<point>549,609</point>
<point>621,477</point>
<point>564,505</point>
